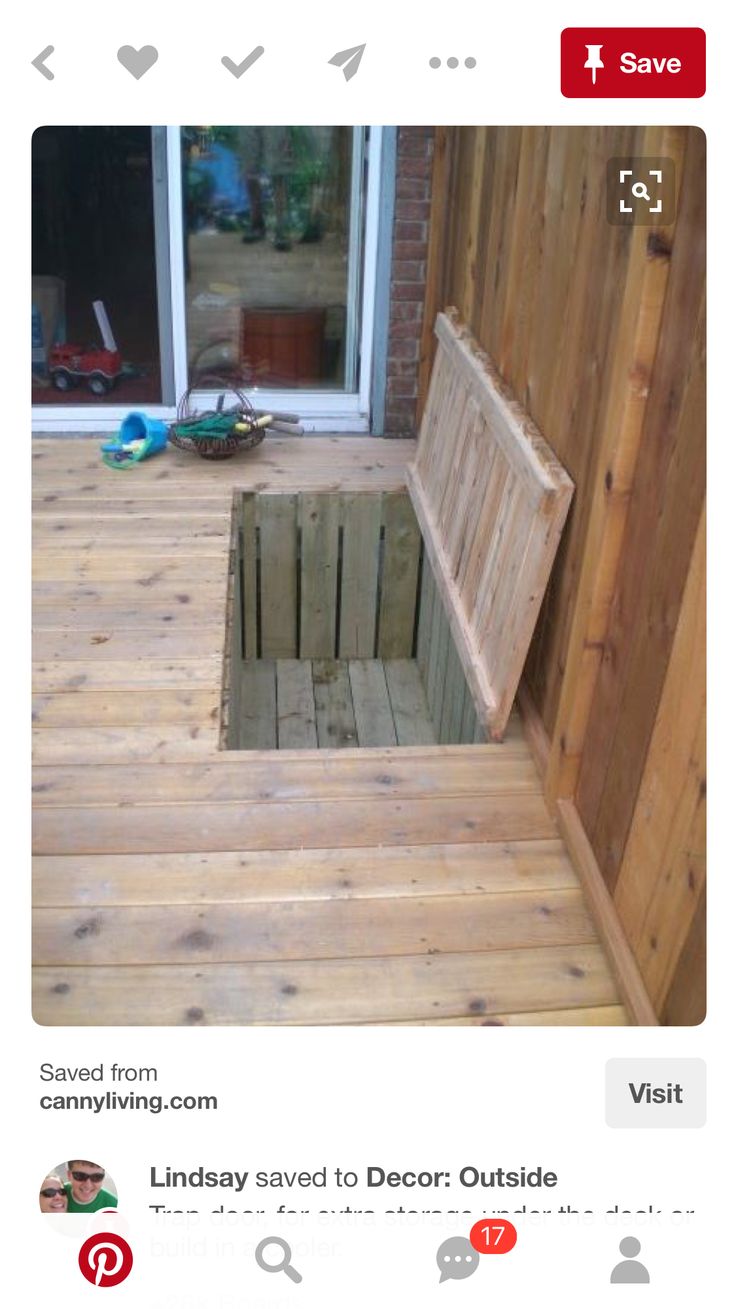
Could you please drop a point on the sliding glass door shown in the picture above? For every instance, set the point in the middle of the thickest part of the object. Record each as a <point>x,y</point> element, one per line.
<point>272,225</point>
<point>96,330</point>
<point>166,256</point>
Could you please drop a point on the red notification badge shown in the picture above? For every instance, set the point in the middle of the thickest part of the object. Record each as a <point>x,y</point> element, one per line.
<point>493,1236</point>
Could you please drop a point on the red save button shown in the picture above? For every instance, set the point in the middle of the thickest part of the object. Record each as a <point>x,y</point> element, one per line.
<point>635,62</point>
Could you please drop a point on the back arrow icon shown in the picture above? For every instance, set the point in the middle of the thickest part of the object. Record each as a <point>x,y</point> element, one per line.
<point>39,63</point>
<point>350,59</point>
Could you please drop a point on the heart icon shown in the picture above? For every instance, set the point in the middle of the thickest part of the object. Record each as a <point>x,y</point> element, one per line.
<point>137,62</point>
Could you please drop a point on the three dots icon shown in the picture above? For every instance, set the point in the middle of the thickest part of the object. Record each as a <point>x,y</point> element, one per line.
<point>452,62</point>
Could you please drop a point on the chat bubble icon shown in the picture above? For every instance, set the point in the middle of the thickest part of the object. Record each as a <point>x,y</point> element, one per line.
<point>456,1259</point>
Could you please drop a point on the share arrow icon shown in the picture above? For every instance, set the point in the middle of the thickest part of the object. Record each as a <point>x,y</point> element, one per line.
<point>348,60</point>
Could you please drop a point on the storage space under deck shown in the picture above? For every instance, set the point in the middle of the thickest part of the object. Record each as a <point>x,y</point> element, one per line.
<point>338,637</point>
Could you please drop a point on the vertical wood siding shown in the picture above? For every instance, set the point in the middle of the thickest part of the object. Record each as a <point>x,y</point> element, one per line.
<point>600,332</point>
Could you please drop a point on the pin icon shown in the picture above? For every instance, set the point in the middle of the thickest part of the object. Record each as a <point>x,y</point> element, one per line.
<point>594,61</point>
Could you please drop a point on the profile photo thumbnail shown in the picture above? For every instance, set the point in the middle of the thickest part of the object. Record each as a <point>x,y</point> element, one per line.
<point>78,1186</point>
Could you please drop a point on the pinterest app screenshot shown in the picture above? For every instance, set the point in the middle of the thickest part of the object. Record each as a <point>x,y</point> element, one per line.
<point>360,607</point>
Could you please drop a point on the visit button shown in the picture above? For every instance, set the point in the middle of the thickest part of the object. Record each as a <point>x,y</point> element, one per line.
<point>655,1092</point>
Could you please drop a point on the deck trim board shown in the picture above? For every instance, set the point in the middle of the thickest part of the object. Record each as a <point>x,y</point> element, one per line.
<point>178,883</point>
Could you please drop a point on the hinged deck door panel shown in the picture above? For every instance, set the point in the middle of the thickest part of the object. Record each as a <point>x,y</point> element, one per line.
<point>491,499</point>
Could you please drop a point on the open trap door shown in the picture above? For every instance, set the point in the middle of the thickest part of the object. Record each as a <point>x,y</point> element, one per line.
<point>356,622</point>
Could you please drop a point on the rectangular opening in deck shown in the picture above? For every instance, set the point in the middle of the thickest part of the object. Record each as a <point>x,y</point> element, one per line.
<point>337,636</point>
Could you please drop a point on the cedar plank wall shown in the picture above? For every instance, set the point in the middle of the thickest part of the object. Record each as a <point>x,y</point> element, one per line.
<point>599,330</point>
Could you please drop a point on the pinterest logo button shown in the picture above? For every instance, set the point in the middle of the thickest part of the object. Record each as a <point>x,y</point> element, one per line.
<point>105,1259</point>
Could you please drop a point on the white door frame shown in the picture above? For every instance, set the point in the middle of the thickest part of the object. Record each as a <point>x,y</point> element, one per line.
<point>331,411</point>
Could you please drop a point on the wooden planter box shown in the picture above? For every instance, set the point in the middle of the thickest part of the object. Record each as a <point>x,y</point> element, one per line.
<point>283,347</point>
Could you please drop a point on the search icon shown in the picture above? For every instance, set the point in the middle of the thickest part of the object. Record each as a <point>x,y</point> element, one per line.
<point>640,191</point>
<point>284,1265</point>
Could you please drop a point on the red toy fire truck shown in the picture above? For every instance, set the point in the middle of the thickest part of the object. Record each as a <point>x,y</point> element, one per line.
<point>99,368</point>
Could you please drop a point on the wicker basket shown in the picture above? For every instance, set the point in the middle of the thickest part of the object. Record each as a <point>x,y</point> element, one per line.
<point>186,432</point>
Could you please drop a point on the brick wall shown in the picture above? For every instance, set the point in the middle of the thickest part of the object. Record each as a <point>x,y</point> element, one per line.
<point>408,272</point>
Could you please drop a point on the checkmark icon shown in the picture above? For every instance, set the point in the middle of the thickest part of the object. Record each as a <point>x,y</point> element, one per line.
<point>237,70</point>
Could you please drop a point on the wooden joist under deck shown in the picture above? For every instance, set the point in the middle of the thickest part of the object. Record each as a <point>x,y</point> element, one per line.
<point>177,883</point>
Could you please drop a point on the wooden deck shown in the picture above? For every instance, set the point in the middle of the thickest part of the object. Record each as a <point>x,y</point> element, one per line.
<point>320,704</point>
<point>177,883</point>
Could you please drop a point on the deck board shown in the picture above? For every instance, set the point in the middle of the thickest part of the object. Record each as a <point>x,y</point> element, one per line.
<point>374,719</point>
<point>424,885</point>
<point>274,930</point>
<point>371,990</point>
<point>248,876</point>
<point>261,779</point>
<point>333,702</point>
<point>408,703</point>
<point>296,719</point>
<point>329,704</point>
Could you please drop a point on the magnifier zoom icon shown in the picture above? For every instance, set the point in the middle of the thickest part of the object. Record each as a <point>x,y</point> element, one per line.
<point>284,1265</point>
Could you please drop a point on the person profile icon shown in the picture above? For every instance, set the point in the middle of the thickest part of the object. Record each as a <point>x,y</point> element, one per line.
<point>630,1270</point>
